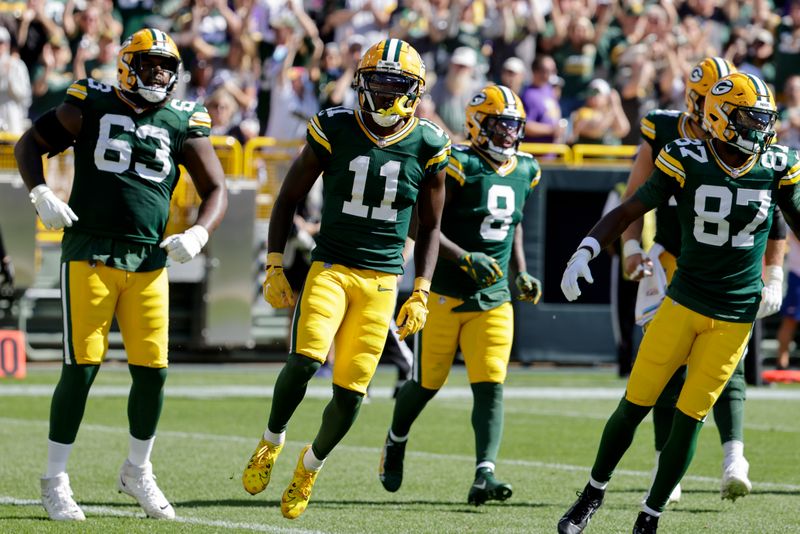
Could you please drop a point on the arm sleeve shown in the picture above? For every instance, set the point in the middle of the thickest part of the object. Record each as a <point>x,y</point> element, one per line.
<point>778,229</point>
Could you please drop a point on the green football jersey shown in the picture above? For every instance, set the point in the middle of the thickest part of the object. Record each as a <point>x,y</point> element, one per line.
<point>725,215</point>
<point>370,186</point>
<point>658,128</point>
<point>126,167</point>
<point>484,209</point>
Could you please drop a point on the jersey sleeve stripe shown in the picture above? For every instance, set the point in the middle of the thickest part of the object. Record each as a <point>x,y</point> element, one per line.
<point>669,169</point>
<point>78,91</point>
<point>792,177</point>
<point>456,174</point>
<point>201,119</point>
<point>536,178</point>
<point>648,129</point>
<point>315,131</point>
<point>439,157</point>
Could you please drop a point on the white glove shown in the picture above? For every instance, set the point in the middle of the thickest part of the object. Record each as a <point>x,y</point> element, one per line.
<point>577,267</point>
<point>54,212</point>
<point>772,293</point>
<point>183,247</point>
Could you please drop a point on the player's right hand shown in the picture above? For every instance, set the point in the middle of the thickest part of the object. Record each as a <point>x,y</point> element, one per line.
<point>481,267</point>
<point>577,267</point>
<point>54,212</point>
<point>277,291</point>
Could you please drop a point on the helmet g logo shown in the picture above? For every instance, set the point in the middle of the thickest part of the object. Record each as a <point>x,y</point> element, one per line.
<point>478,99</point>
<point>724,86</point>
<point>696,74</point>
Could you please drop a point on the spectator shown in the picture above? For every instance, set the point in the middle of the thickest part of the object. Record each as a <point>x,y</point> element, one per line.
<point>343,93</point>
<point>544,122</point>
<point>601,120</point>
<point>367,18</point>
<point>52,78</point>
<point>512,74</point>
<point>102,68</point>
<point>15,88</point>
<point>788,127</point>
<point>790,310</point>
<point>35,30</point>
<point>576,58</point>
<point>327,73</point>
<point>787,53</point>
<point>452,93</point>
<point>223,110</point>
<point>759,55</point>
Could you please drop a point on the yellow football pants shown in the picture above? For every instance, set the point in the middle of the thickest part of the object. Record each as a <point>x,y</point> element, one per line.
<point>485,339</point>
<point>92,294</point>
<point>351,308</point>
<point>710,348</point>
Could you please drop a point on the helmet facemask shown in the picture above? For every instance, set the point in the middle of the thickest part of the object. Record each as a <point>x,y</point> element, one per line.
<point>387,96</point>
<point>143,65</point>
<point>748,129</point>
<point>500,136</point>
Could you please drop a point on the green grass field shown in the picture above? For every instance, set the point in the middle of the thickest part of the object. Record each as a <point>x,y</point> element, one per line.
<point>214,415</point>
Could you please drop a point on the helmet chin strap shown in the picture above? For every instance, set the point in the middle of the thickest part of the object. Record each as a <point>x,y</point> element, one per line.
<point>499,154</point>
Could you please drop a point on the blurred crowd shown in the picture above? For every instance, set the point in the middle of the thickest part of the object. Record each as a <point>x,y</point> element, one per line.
<point>587,70</point>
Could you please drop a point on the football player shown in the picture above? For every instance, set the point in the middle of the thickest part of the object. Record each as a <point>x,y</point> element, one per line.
<point>128,142</point>
<point>379,163</point>
<point>488,183</point>
<point>658,128</point>
<point>726,189</point>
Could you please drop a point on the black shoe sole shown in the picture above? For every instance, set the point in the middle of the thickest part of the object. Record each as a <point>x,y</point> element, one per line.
<point>499,494</point>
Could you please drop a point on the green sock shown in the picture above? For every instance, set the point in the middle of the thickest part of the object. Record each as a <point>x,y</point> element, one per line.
<point>338,417</point>
<point>69,401</point>
<point>145,400</point>
<point>290,388</point>
<point>487,420</point>
<point>617,437</point>
<point>664,409</point>
<point>674,460</point>
<point>411,400</point>
<point>729,408</point>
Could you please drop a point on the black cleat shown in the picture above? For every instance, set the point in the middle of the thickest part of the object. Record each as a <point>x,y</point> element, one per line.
<point>390,470</point>
<point>645,524</point>
<point>487,488</point>
<point>579,514</point>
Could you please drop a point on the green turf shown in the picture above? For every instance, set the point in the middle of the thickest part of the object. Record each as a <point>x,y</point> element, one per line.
<point>549,444</point>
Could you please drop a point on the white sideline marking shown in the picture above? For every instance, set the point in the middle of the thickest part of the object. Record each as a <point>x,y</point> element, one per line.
<point>106,511</point>
<point>324,392</point>
<point>376,451</point>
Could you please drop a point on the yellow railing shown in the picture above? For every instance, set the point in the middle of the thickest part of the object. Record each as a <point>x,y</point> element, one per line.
<point>603,154</point>
<point>549,153</point>
<point>266,160</point>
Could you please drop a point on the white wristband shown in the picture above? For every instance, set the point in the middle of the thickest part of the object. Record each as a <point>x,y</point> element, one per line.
<point>773,274</point>
<point>631,247</point>
<point>200,233</point>
<point>591,244</point>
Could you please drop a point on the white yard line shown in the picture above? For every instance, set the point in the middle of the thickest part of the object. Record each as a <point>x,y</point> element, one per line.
<point>376,451</point>
<point>106,511</point>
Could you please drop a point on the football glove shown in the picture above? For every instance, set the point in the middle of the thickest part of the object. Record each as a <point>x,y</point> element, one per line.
<point>54,212</point>
<point>414,311</point>
<point>530,288</point>
<point>480,267</point>
<point>183,247</point>
<point>577,267</point>
<point>772,292</point>
<point>277,291</point>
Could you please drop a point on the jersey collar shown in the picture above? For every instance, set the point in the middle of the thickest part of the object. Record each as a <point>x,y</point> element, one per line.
<point>503,169</point>
<point>733,172</point>
<point>390,139</point>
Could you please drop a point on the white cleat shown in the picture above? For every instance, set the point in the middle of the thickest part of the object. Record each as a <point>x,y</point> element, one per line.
<point>57,499</point>
<point>140,483</point>
<point>735,483</point>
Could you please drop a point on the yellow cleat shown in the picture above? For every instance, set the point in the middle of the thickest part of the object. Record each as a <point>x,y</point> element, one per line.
<point>256,475</point>
<point>295,499</point>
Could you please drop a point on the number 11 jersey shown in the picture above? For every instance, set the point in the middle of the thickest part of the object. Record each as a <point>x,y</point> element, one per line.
<point>370,186</point>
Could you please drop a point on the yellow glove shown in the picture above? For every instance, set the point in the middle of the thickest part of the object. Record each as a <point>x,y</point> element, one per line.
<point>414,312</point>
<point>277,291</point>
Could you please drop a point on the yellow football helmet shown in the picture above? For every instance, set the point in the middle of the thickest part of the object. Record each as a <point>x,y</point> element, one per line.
<point>147,41</point>
<point>496,113</point>
<point>740,110</point>
<point>389,81</point>
<point>702,77</point>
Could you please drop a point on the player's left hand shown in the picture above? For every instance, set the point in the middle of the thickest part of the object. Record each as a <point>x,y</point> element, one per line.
<point>414,311</point>
<point>577,267</point>
<point>530,288</point>
<point>772,292</point>
<point>183,247</point>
